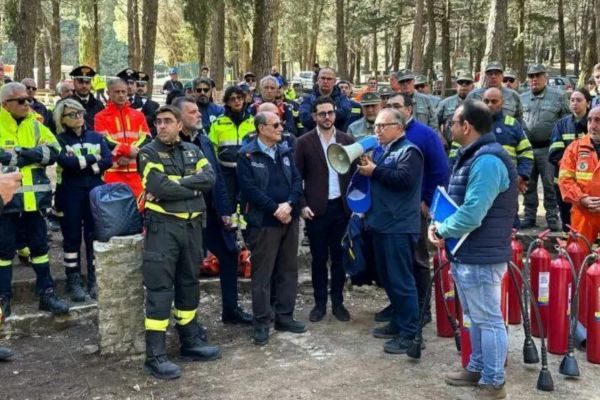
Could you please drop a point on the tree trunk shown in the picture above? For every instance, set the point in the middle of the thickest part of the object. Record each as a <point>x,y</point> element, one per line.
<point>133,34</point>
<point>561,38</point>
<point>314,32</point>
<point>25,38</point>
<point>357,79</point>
<point>88,34</point>
<point>496,32</point>
<point>375,58</point>
<point>217,47</point>
<point>446,46</point>
<point>54,45</point>
<point>262,45</point>
<point>597,22</point>
<point>417,39</point>
<point>386,49</point>
<point>149,22</point>
<point>520,53</point>
<point>397,48</point>
<point>341,47</point>
<point>276,16</point>
<point>40,62</point>
<point>428,61</point>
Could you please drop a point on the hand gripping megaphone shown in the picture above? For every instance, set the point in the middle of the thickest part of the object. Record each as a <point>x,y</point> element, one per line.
<point>341,157</point>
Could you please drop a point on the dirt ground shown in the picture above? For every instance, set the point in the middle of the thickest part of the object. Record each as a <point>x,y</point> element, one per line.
<point>333,360</point>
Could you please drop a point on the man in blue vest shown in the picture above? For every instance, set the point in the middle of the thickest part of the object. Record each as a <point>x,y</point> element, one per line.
<point>396,173</point>
<point>484,184</point>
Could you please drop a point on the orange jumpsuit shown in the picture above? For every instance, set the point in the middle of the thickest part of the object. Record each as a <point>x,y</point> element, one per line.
<point>579,177</point>
<point>123,128</point>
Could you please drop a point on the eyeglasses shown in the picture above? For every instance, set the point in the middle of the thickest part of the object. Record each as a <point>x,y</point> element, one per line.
<point>31,88</point>
<point>275,125</point>
<point>463,83</point>
<point>21,101</point>
<point>166,121</point>
<point>491,101</point>
<point>235,98</point>
<point>74,114</point>
<point>202,90</point>
<point>397,106</point>
<point>452,122</point>
<point>325,114</point>
<point>86,81</point>
<point>379,127</point>
<point>511,80</point>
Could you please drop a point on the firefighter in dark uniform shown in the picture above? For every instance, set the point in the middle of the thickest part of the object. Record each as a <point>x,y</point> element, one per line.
<point>82,82</point>
<point>174,174</point>
<point>142,103</point>
<point>83,158</point>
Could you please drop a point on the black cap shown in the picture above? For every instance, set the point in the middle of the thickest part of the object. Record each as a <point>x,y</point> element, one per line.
<point>83,72</point>
<point>143,77</point>
<point>128,75</point>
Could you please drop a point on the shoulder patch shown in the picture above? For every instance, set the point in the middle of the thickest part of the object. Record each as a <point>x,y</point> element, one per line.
<point>508,120</point>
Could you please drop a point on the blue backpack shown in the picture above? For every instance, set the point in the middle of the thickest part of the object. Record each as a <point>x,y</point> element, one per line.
<point>115,211</point>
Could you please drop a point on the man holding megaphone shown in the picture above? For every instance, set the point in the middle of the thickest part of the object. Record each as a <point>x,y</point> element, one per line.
<point>396,173</point>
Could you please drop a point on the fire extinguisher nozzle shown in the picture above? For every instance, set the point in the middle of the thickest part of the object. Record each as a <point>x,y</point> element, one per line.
<point>545,382</point>
<point>569,366</point>
<point>457,341</point>
<point>530,353</point>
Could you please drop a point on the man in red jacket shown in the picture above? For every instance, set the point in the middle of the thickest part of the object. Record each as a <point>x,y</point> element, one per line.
<point>125,130</point>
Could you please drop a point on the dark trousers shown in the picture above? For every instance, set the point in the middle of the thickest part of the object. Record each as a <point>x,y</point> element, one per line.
<point>421,270</point>
<point>76,220</point>
<point>231,182</point>
<point>172,255</point>
<point>274,248</point>
<point>325,234</point>
<point>228,263</point>
<point>394,259</point>
<point>564,208</point>
<point>543,170</point>
<point>36,239</point>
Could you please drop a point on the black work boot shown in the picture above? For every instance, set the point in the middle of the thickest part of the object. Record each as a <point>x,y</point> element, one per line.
<point>5,353</point>
<point>193,348</point>
<point>75,288</point>
<point>49,302</point>
<point>5,307</point>
<point>157,364</point>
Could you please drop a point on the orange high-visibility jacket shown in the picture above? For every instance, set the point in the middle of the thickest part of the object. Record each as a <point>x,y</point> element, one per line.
<point>579,174</point>
<point>123,127</point>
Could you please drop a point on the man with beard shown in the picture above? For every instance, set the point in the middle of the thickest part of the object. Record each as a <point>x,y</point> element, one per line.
<point>371,105</point>
<point>203,94</point>
<point>82,82</point>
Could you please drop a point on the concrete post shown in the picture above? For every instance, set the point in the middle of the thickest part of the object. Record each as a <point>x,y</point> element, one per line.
<point>120,295</point>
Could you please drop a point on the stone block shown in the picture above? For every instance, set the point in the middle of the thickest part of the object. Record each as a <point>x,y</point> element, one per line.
<point>120,295</point>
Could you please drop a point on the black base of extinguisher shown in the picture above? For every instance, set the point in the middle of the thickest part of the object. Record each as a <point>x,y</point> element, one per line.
<point>414,350</point>
<point>545,382</point>
<point>530,352</point>
<point>569,366</point>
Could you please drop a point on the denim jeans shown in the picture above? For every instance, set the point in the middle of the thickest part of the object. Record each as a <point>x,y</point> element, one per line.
<point>479,294</point>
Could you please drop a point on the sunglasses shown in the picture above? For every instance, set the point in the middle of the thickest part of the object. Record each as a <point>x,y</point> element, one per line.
<point>235,98</point>
<point>275,125</point>
<point>202,90</point>
<point>31,88</point>
<point>511,80</point>
<point>74,114</point>
<point>20,101</point>
<point>464,83</point>
<point>324,114</point>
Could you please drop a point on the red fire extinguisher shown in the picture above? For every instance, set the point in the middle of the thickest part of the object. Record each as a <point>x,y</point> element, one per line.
<point>514,308</point>
<point>465,326</point>
<point>539,262</point>
<point>244,263</point>
<point>578,251</point>
<point>210,265</point>
<point>560,291</point>
<point>444,292</point>
<point>593,308</point>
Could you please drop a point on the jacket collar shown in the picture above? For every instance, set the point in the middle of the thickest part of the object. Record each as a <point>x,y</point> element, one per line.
<point>253,148</point>
<point>468,151</point>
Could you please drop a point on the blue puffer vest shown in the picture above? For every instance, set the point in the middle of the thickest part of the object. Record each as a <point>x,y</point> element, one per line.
<point>490,243</point>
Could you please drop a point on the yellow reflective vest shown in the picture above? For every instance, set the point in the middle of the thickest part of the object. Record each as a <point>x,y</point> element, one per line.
<point>31,147</point>
<point>227,138</point>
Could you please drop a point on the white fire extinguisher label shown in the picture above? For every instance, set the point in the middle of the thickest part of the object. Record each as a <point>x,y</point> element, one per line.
<point>597,313</point>
<point>543,288</point>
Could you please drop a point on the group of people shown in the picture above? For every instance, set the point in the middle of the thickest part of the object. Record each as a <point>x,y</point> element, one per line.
<point>200,170</point>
